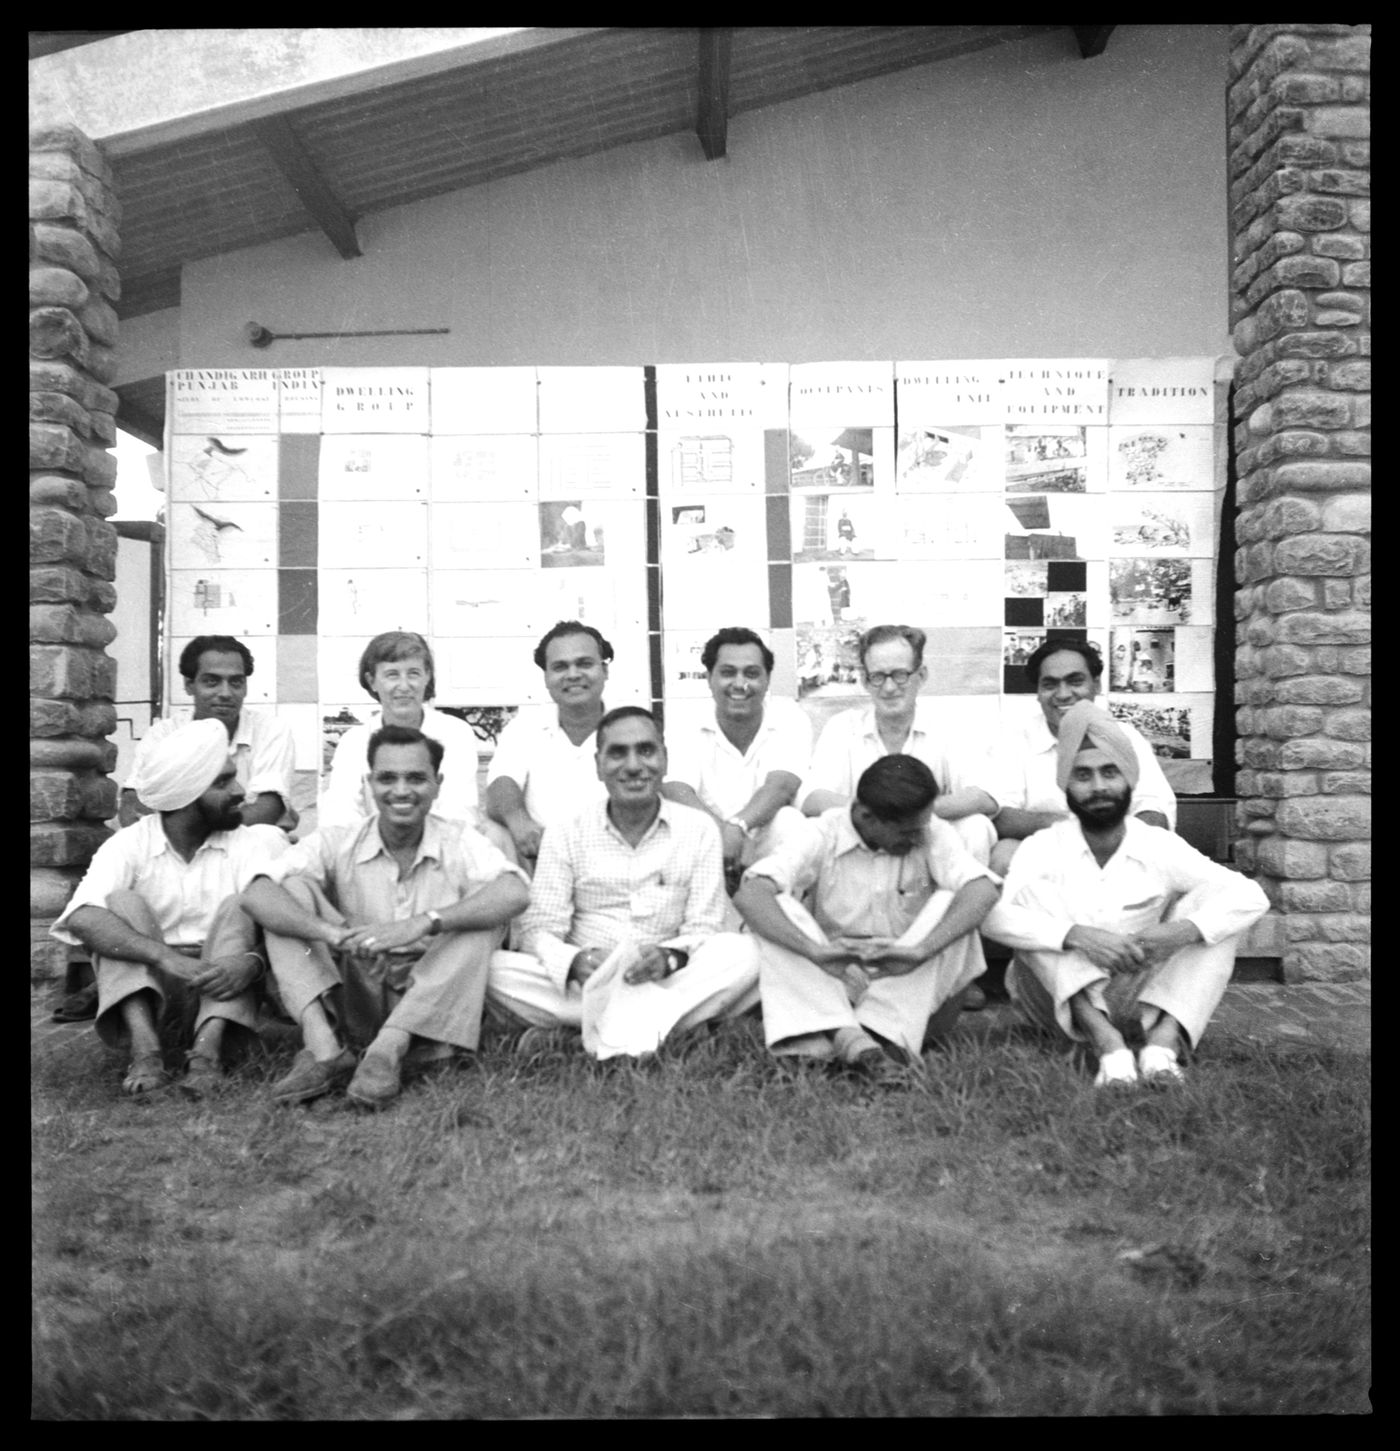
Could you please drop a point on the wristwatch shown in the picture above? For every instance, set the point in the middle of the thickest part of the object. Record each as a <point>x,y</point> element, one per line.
<point>435,919</point>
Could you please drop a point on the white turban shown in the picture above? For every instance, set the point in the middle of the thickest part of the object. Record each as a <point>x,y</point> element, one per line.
<point>180,768</point>
<point>1083,727</point>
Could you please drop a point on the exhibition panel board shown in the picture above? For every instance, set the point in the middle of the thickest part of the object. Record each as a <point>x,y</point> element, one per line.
<point>993,503</point>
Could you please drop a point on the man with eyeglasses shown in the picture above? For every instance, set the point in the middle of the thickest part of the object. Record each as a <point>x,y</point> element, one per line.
<point>897,721</point>
<point>866,925</point>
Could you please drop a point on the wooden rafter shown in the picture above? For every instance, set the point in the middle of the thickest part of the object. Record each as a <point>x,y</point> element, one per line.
<point>1092,38</point>
<point>712,120</point>
<point>293,161</point>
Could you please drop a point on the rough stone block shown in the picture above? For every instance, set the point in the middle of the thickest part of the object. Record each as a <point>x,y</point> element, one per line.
<point>109,284</point>
<point>1260,754</point>
<point>52,845</point>
<point>1345,783</point>
<point>1338,244</point>
<point>61,409</point>
<point>1319,690</point>
<point>62,201</point>
<point>1352,53</point>
<point>1350,725</point>
<point>55,332</point>
<point>1361,592</point>
<point>60,136</point>
<point>1340,183</point>
<point>52,718</point>
<point>1342,628</point>
<point>54,446</point>
<point>1336,594</point>
<point>1295,443</point>
<point>67,248</point>
<point>73,754</point>
<point>1318,752</point>
<point>100,320</point>
<point>55,489</point>
<point>1338,317</point>
<point>1318,963</point>
<point>58,376</point>
<point>57,287</point>
<point>99,467</point>
<point>1305,90</point>
<point>1310,214</point>
<point>1286,722</point>
<point>1314,344</point>
<point>102,596</point>
<point>51,583</point>
<point>1326,818</point>
<point>60,672</point>
<point>1361,898</point>
<point>1290,594</point>
<point>101,362</point>
<point>104,427</point>
<point>1281,312</point>
<point>98,718</point>
<point>1351,121</point>
<point>55,796</point>
<point>55,535</point>
<point>1354,375</point>
<point>50,891</point>
<point>1280,784</point>
<point>67,625</point>
<point>1314,897</point>
<point>1333,476</point>
<point>1353,443</point>
<point>1351,862</point>
<point>1311,410</point>
<point>1282,517</point>
<point>101,549</point>
<point>1355,153</point>
<point>1360,216</point>
<point>1282,660</point>
<point>1260,632</point>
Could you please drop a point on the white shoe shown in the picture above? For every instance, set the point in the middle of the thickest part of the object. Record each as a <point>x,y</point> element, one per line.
<point>1158,1064</point>
<point>1116,1067</point>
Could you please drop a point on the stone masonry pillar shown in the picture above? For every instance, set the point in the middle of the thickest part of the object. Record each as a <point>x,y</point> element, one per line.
<point>73,246</point>
<point>1299,119</point>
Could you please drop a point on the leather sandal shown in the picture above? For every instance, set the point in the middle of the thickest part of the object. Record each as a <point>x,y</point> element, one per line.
<point>146,1074</point>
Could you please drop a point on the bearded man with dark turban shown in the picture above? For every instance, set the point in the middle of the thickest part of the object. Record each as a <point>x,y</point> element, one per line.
<point>173,952</point>
<point>1119,928</point>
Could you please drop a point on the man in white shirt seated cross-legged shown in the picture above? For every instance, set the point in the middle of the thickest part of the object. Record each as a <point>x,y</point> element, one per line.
<point>1118,927</point>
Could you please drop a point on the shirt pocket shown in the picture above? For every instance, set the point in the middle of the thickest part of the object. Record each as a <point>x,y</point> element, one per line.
<point>1141,912</point>
<point>660,899</point>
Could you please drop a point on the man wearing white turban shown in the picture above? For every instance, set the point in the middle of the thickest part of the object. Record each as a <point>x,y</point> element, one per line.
<point>1117,925</point>
<point>158,909</point>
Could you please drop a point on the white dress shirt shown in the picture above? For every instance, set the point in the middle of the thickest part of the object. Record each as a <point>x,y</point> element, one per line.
<point>182,895</point>
<point>725,779</point>
<point>264,755</point>
<point>557,778</point>
<point>850,742</point>
<point>1054,883</point>
<point>854,890</point>
<point>346,799</point>
<point>593,889</point>
<point>1024,766</point>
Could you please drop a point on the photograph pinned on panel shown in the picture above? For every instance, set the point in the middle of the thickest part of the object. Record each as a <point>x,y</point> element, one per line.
<point>567,538</point>
<point>207,467</point>
<point>832,526</point>
<point>1046,458</point>
<point>1150,591</point>
<point>955,459</point>
<point>1052,527</point>
<point>1146,457</point>
<point>1143,662</point>
<point>1166,728</point>
<point>1163,524</point>
<point>828,661</point>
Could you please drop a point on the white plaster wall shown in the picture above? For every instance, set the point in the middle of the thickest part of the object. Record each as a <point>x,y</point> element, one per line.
<point>1017,201</point>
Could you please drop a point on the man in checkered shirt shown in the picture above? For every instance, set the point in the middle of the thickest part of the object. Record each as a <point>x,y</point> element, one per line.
<point>622,936</point>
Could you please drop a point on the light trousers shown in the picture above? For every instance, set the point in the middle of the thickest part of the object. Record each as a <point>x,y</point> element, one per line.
<point>181,1010</point>
<point>800,999</point>
<point>1188,985</point>
<point>439,996</point>
<point>720,980</point>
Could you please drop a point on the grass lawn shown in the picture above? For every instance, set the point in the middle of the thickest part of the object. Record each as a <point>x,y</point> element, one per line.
<point>709,1234</point>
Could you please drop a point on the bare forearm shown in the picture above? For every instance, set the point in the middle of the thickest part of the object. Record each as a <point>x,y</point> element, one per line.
<point>1014,824</point>
<point>965,913</point>
<point>275,910</point>
<point>105,934</point>
<point>815,802</point>
<point>971,800</point>
<point>505,803</point>
<point>757,903</point>
<point>493,906</point>
<point>1154,818</point>
<point>776,792</point>
<point>684,795</point>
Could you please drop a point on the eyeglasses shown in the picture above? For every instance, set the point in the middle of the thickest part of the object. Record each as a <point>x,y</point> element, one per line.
<point>877,678</point>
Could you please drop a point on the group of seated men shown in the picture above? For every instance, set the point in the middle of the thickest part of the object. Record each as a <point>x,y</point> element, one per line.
<point>844,890</point>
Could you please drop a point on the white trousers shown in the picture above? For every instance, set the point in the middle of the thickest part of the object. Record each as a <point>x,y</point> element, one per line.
<point>800,999</point>
<point>1188,985</point>
<point>720,980</point>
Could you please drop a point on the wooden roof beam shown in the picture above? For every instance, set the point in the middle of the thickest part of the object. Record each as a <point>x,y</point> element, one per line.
<point>712,120</point>
<point>1092,38</point>
<point>295,163</point>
